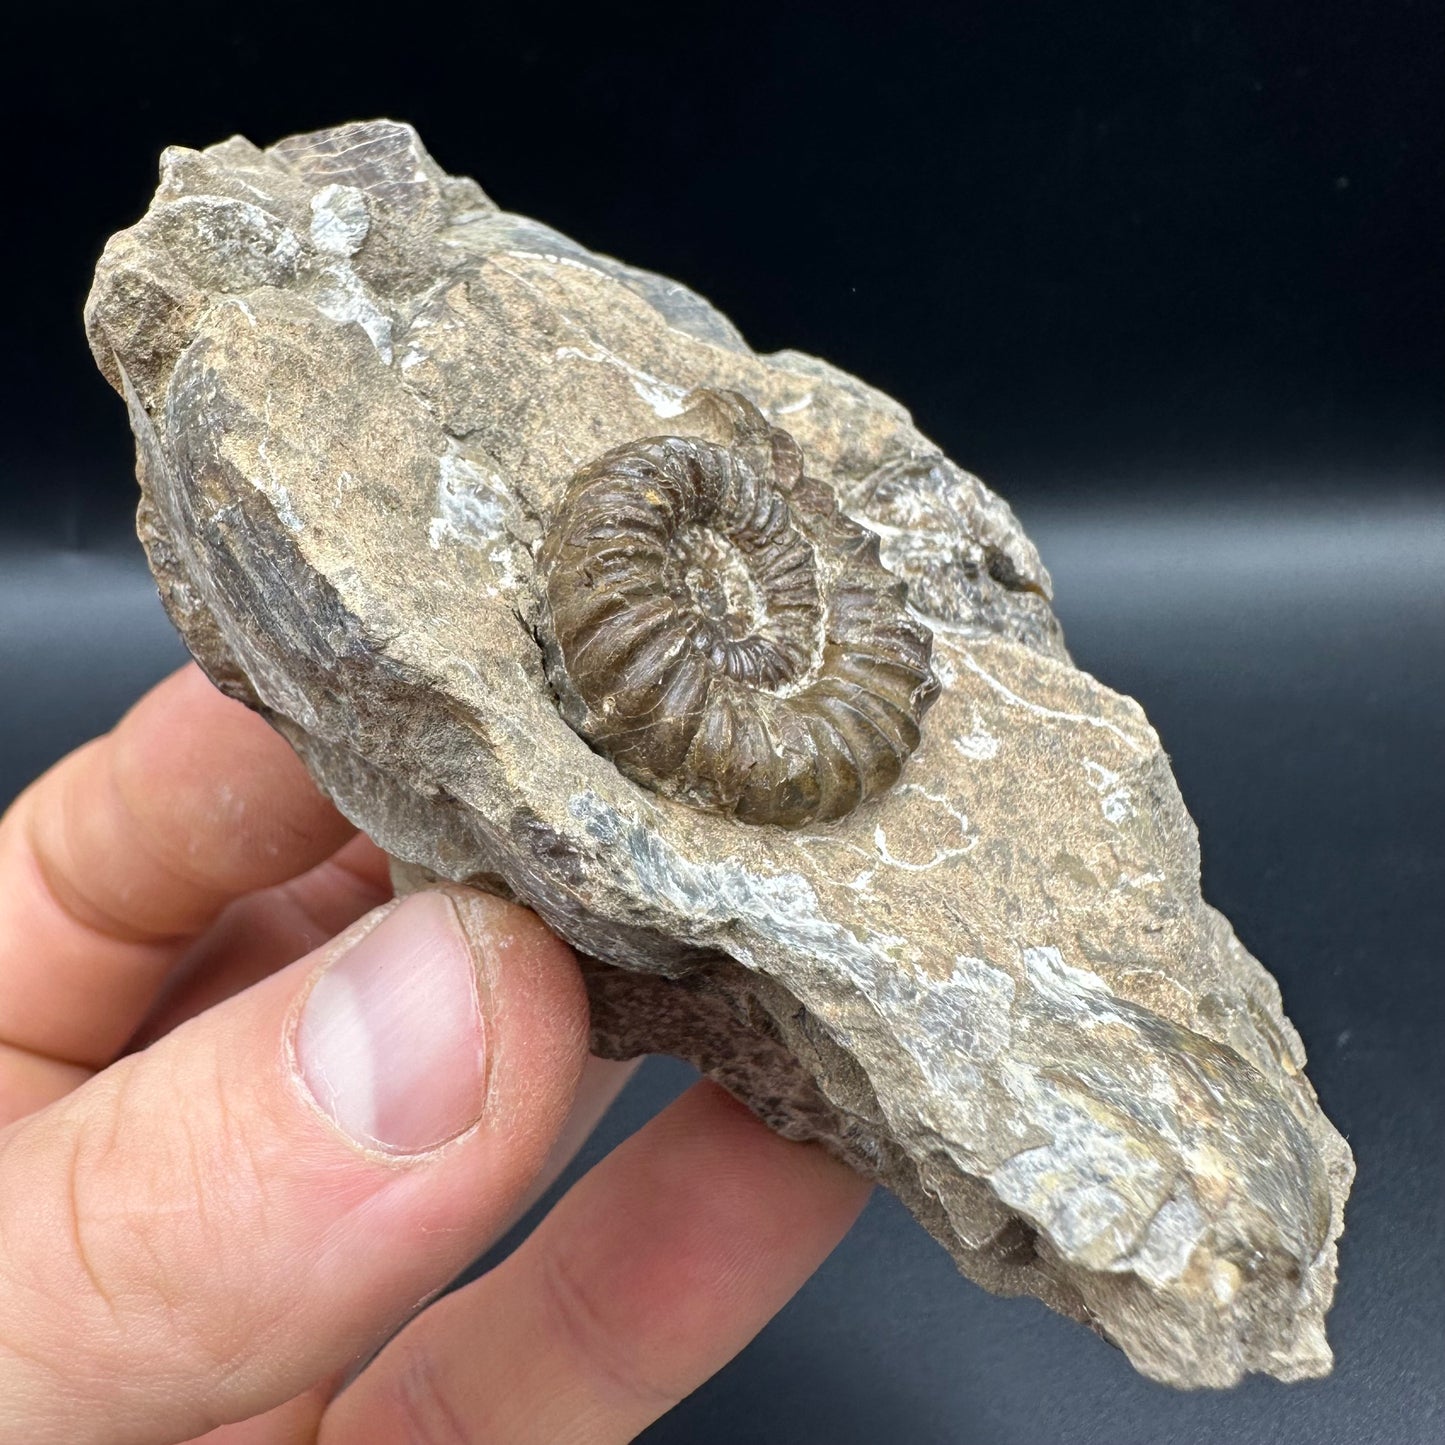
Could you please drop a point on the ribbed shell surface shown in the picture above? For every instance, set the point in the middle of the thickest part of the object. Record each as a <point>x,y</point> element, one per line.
<point>725,634</point>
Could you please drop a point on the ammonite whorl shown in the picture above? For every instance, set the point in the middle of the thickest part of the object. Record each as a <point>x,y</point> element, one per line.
<point>725,634</point>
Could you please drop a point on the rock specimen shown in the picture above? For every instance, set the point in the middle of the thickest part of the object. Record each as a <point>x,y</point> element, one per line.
<point>562,591</point>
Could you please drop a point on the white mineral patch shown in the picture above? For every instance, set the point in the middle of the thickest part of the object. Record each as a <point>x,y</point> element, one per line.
<point>1170,1239</point>
<point>980,745</point>
<point>339,220</point>
<point>280,499</point>
<point>471,505</point>
<point>552,258</point>
<point>664,397</point>
<point>1039,710</point>
<point>1061,987</point>
<point>1116,802</point>
<point>1117,806</point>
<point>970,1010</point>
<point>1087,1185</point>
<point>938,856</point>
<point>341,295</point>
<point>665,401</point>
<point>268,483</point>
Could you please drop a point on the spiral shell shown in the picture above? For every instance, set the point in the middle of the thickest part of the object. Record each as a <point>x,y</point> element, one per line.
<point>724,633</point>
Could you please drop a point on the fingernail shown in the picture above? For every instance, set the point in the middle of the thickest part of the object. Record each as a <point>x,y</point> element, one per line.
<point>390,1042</point>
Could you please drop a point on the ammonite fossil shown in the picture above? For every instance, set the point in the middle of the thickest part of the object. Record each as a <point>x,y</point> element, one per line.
<point>725,634</point>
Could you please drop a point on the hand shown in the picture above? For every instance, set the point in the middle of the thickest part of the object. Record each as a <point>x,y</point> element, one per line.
<point>219,1225</point>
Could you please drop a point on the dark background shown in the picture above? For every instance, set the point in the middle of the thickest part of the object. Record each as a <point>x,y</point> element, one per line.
<point>1166,274</point>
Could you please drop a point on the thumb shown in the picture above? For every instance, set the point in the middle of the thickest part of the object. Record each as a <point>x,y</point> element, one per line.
<point>209,1227</point>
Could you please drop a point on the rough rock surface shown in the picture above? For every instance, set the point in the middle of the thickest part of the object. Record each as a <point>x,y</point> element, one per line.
<point>358,388</point>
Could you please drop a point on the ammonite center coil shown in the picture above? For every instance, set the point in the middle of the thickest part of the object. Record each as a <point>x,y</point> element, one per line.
<point>725,634</point>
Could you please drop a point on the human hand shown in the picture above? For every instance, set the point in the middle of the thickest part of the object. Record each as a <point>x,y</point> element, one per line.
<point>218,1226</point>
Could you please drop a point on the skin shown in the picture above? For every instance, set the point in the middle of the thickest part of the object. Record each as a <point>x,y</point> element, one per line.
<point>191,1248</point>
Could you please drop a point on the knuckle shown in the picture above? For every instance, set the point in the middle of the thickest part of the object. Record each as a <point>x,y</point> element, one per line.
<point>598,1346</point>
<point>67,1310</point>
<point>61,822</point>
<point>422,1407</point>
<point>143,1211</point>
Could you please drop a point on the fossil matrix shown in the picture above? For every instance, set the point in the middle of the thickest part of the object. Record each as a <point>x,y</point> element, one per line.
<point>751,693</point>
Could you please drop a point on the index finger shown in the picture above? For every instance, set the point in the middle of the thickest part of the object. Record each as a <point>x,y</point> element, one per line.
<point>124,851</point>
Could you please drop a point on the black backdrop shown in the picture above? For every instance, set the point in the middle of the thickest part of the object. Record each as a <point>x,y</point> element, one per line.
<point>1164,271</point>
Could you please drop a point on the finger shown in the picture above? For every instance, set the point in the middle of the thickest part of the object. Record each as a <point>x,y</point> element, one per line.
<point>30,1081</point>
<point>652,1273</point>
<point>207,1228</point>
<point>264,931</point>
<point>125,850</point>
<point>253,937</point>
<point>298,1421</point>
<point>597,1090</point>
<point>294,1423</point>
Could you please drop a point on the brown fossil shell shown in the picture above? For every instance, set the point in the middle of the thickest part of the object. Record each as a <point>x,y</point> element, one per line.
<point>724,633</point>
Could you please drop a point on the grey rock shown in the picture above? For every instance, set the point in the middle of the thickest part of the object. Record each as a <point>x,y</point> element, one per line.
<point>358,390</point>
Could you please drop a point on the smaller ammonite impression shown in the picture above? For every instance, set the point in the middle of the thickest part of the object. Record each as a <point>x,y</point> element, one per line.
<point>722,631</point>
